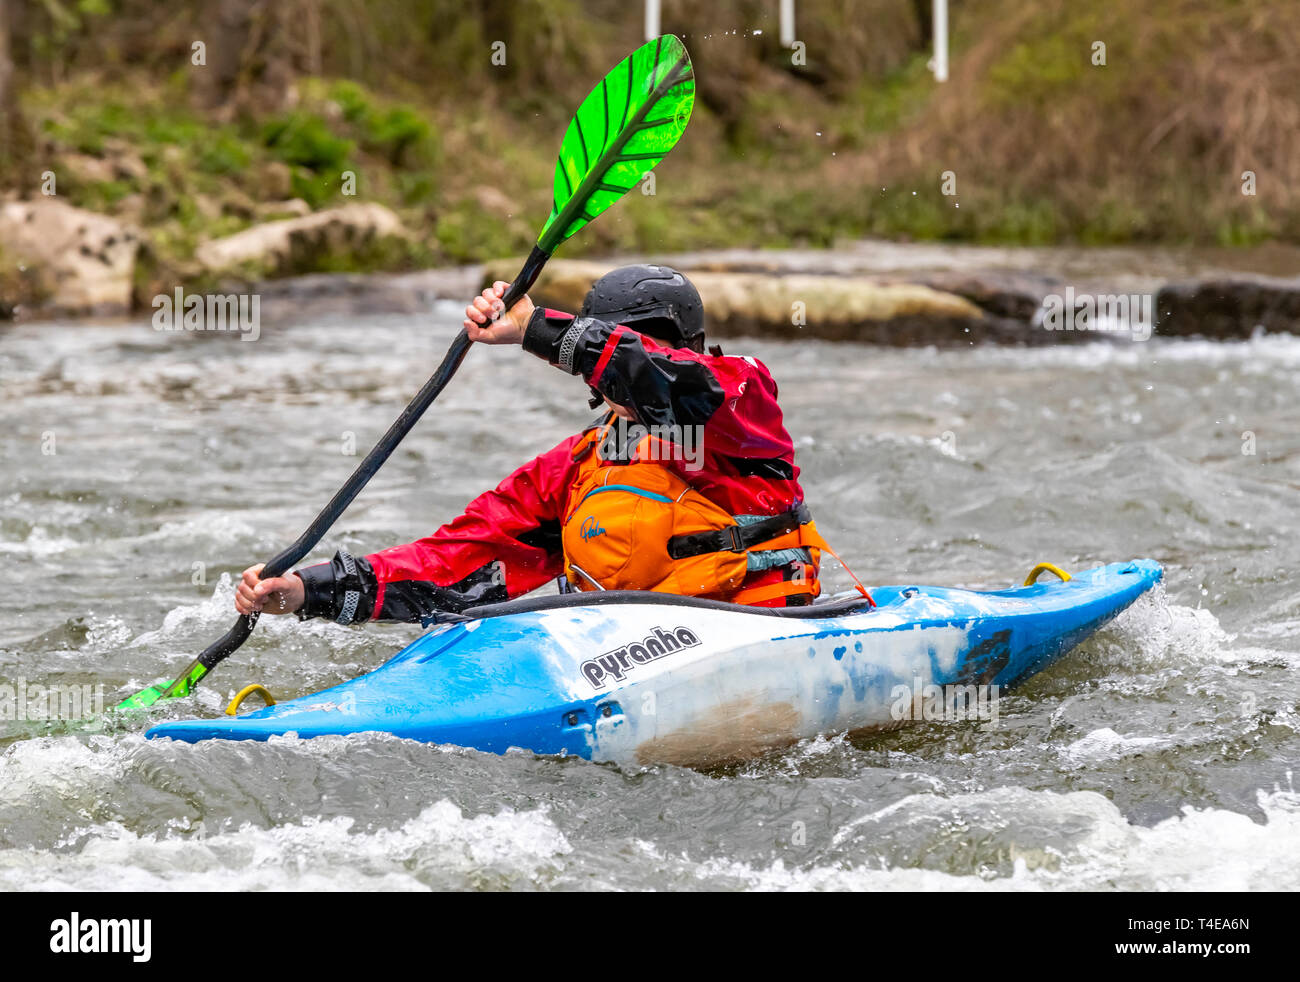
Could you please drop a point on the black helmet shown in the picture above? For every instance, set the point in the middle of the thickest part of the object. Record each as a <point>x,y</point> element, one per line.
<point>655,300</point>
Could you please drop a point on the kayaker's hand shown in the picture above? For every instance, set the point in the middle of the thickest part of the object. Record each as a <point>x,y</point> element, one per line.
<point>509,329</point>
<point>278,595</point>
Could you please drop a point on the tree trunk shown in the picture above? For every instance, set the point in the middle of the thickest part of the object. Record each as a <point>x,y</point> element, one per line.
<point>15,140</point>
<point>925,20</point>
<point>249,61</point>
<point>7,98</point>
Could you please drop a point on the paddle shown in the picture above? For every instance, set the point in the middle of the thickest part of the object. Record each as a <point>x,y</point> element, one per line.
<point>625,126</point>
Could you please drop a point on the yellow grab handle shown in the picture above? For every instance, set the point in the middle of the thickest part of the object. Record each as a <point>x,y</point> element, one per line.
<point>1042,568</point>
<point>247,691</point>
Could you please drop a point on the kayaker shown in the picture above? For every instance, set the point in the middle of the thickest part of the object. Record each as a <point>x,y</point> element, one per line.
<point>687,485</point>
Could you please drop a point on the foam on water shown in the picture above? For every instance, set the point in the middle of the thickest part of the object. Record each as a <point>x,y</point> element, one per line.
<point>441,847</point>
<point>40,544</point>
<point>1106,744</point>
<point>1003,838</point>
<point>1155,633</point>
<point>1013,839</point>
<point>1282,350</point>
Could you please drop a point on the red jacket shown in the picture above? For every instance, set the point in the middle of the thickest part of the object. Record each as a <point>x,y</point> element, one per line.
<point>720,413</point>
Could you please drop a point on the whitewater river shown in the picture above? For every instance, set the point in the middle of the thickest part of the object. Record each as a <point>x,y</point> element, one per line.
<point>140,469</point>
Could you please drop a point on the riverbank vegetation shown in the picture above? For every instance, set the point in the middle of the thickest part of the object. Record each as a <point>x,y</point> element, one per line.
<point>449,113</point>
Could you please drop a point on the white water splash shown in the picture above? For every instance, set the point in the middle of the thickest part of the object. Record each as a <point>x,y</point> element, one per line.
<point>441,847</point>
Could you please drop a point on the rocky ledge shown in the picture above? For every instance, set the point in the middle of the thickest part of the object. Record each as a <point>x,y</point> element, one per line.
<point>950,307</point>
<point>61,261</point>
<point>1233,307</point>
<point>56,260</point>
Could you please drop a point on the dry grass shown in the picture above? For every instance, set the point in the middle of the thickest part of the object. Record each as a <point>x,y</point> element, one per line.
<point>1150,146</point>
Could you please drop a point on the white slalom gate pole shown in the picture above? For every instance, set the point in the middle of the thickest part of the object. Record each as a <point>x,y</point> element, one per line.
<point>787,23</point>
<point>940,62</point>
<point>651,19</point>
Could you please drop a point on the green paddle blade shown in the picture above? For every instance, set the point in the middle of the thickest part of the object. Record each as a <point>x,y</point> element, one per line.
<point>166,690</point>
<point>625,126</point>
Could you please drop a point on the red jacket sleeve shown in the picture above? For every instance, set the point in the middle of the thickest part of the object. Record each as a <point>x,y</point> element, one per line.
<point>664,386</point>
<point>506,543</point>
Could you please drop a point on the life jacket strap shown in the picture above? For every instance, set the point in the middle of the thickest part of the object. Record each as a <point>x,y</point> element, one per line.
<point>739,538</point>
<point>775,591</point>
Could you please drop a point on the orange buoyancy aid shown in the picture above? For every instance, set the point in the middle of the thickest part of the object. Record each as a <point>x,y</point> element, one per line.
<point>640,526</point>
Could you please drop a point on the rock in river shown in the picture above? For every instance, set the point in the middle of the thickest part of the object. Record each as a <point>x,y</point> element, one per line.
<point>294,245</point>
<point>842,308</point>
<point>73,261</point>
<point>1229,306</point>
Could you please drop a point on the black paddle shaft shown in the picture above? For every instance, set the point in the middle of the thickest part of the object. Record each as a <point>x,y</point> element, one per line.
<point>282,563</point>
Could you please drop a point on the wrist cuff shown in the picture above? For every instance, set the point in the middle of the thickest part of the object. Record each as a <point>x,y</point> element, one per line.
<point>344,589</point>
<point>554,339</point>
<point>318,591</point>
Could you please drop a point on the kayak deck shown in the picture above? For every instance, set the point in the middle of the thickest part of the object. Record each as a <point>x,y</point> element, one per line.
<point>660,679</point>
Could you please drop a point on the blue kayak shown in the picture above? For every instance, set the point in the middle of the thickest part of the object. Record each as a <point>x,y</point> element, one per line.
<point>645,678</point>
